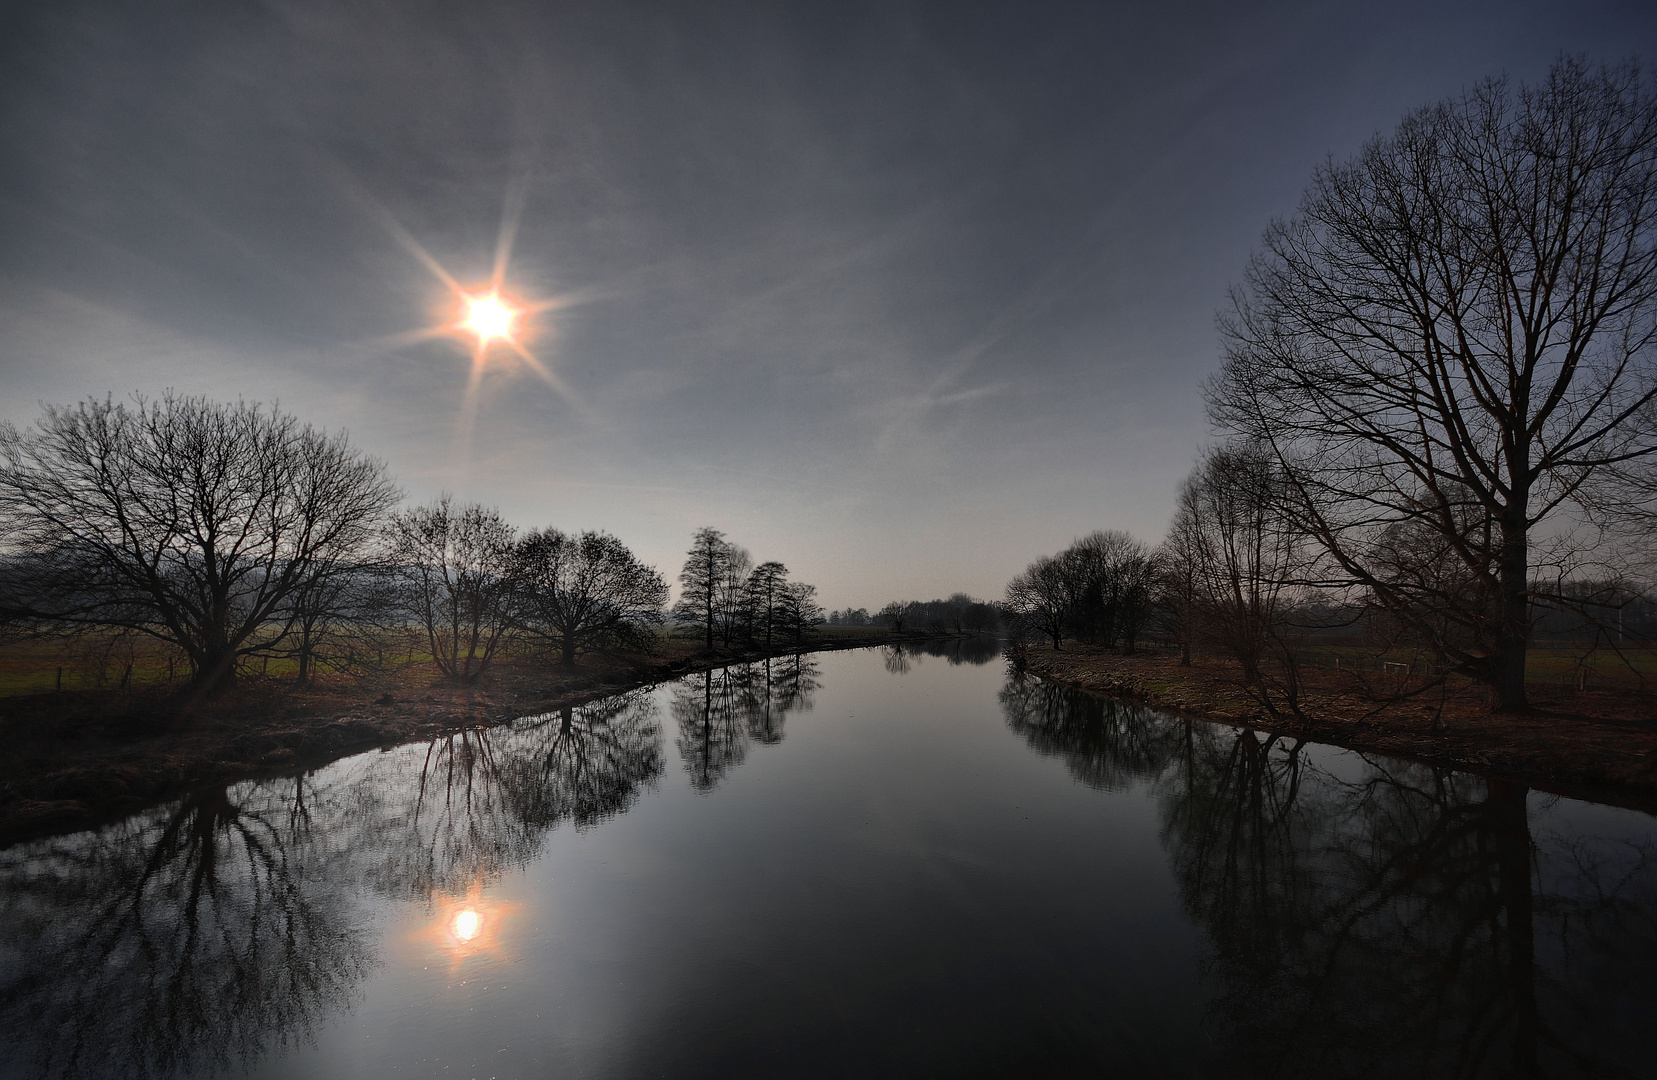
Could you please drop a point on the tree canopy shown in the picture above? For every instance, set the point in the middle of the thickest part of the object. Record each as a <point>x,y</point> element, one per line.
<point>189,520</point>
<point>1453,337</point>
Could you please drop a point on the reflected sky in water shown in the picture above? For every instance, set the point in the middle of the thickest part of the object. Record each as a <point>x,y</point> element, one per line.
<point>897,862</point>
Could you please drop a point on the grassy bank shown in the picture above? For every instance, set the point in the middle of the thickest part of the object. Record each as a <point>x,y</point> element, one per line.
<point>84,755</point>
<point>1591,743</point>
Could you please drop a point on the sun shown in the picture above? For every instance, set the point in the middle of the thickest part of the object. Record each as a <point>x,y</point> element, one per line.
<point>489,317</point>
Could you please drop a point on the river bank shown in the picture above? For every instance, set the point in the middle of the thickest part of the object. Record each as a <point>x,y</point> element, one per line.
<point>1593,745</point>
<point>74,760</point>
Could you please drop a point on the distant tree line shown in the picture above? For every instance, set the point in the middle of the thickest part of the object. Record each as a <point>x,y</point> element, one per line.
<point>1438,404</point>
<point>235,533</point>
<point>959,614</point>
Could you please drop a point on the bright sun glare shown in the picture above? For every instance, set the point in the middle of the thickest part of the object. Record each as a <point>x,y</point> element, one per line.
<point>466,925</point>
<point>489,317</point>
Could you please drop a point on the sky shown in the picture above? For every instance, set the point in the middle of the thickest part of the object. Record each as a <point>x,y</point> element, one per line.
<point>901,295</point>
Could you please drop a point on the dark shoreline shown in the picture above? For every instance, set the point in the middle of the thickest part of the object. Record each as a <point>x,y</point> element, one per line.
<point>110,757</point>
<point>1598,758</point>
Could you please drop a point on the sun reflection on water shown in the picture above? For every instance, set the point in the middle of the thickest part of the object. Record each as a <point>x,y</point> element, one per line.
<point>467,927</point>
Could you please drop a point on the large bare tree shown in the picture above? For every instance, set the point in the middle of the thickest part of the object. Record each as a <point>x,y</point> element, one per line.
<point>1453,336</point>
<point>190,520</point>
<point>586,591</point>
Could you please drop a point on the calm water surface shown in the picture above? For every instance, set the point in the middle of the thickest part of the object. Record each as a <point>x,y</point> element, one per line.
<point>872,863</point>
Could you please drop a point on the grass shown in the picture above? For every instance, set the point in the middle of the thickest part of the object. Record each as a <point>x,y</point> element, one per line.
<point>100,661</point>
<point>1633,668</point>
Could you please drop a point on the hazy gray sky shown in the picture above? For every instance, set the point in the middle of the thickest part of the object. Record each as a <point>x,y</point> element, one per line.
<point>903,295</point>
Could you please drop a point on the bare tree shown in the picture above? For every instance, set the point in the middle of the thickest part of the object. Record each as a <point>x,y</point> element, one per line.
<point>1244,563</point>
<point>896,614</point>
<point>190,520</point>
<point>1461,319</point>
<point>706,568</point>
<point>733,614</point>
<point>764,599</point>
<point>797,610</point>
<point>1042,598</point>
<point>1111,576</point>
<point>585,592</point>
<point>455,564</point>
<point>339,611</point>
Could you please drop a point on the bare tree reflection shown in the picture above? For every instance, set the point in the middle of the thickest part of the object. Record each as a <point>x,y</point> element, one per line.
<point>975,649</point>
<point>797,680</point>
<point>477,803</point>
<point>1392,924</point>
<point>584,764</point>
<point>1107,744</point>
<point>721,713</point>
<point>1378,918</point>
<point>183,940</point>
<point>195,938</point>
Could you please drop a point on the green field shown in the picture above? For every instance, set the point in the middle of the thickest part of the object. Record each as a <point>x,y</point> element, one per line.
<point>100,662</point>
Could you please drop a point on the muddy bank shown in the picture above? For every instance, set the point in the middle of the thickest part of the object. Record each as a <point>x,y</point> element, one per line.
<point>1600,746</point>
<point>76,760</point>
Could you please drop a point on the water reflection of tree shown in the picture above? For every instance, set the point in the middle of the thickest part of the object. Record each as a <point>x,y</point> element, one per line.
<point>192,938</point>
<point>974,649</point>
<point>1399,921</point>
<point>585,764</point>
<point>721,713</point>
<point>1391,924</point>
<point>897,659</point>
<point>1106,744</point>
<point>182,940</point>
<point>478,802</point>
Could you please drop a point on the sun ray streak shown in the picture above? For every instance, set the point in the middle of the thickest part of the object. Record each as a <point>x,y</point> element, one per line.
<point>551,378</point>
<point>517,194</point>
<point>391,342</point>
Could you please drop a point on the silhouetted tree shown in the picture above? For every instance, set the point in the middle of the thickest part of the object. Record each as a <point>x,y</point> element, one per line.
<point>455,567</point>
<point>585,592</point>
<point>189,520</point>
<point>1042,598</point>
<point>1245,562</point>
<point>339,613</point>
<point>730,597</point>
<point>1112,578</point>
<point>1463,318</point>
<point>707,568</point>
<point>797,610</point>
<point>895,614</point>
<point>764,599</point>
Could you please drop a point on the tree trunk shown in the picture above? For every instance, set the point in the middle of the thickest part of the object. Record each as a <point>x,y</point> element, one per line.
<point>1513,619</point>
<point>569,650</point>
<point>215,671</point>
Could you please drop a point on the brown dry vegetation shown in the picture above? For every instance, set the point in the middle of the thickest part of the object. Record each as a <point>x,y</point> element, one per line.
<point>79,757</point>
<point>1595,743</point>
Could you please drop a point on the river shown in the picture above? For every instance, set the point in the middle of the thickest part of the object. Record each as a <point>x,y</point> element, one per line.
<point>890,862</point>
